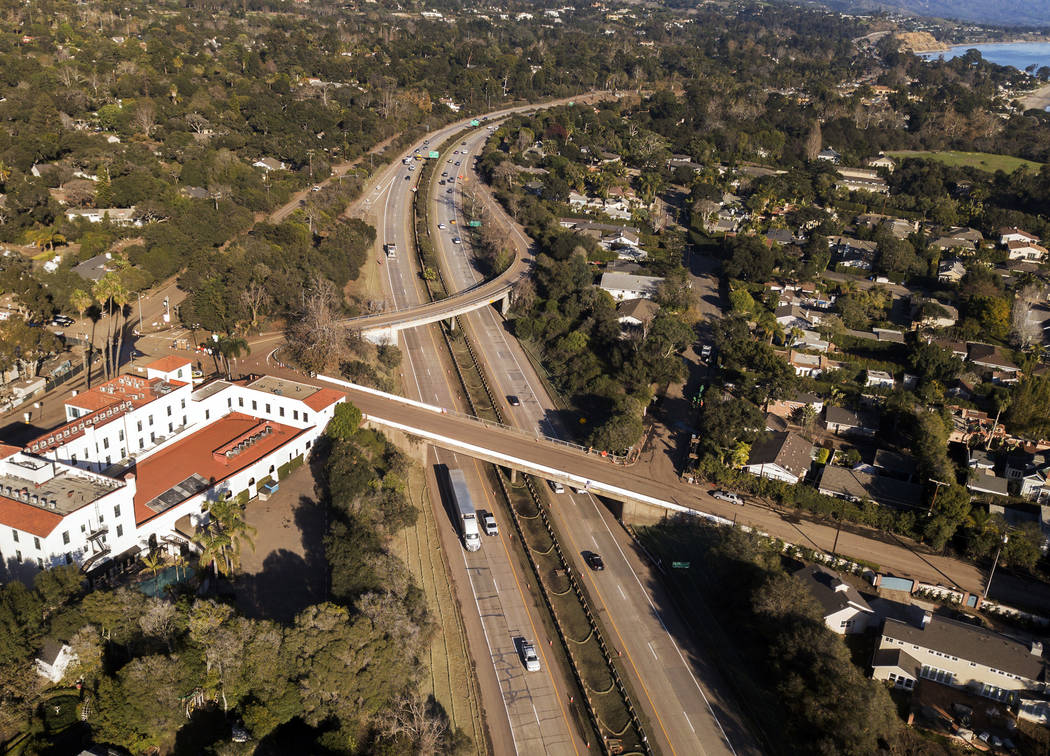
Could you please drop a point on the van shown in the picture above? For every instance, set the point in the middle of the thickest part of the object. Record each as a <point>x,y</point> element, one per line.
<point>557,487</point>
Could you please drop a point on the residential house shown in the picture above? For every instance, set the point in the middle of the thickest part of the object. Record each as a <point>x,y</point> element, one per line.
<point>806,365</point>
<point>787,407</point>
<point>95,268</point>
<point>812,341</point>
<point>883,161</point>
<point>1025,250</point>
<point>929,313</point>
<point>780,236</point>
<point>636,313</point>
<point>841,421</point>
<point>829,155</point>
<point>781,456</point>
<point>853,253</point>
<point>991,358</point>
<point>861,180</point>
<point>898,227</point>
<point>895,465</point>
<point>972,425</point>
<point>118,216</point>
<point>957,348</point>
<point>54,659</point>
<point>1028,471</point>
<point>627,286</point>
<point>1014,234</point>
<point>845,611</point>
<point>859,485</point>
<point>270,164</point>
<point>950,271</point>
<point>959,655</point>
<point>953,244</point>
<point>195,192</point>
<point>988,483</point>
<point>793,316</point>
<point>879,379</point>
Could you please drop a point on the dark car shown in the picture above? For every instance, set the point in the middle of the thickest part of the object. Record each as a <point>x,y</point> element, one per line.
<point>513,401</point>
<point>593,561</point>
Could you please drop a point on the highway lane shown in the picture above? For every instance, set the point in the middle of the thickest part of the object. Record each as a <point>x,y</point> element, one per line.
<point>664,678</point>
<point>534,702</point>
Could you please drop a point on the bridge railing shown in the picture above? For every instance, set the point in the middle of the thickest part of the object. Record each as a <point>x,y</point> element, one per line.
<point>614,458</point>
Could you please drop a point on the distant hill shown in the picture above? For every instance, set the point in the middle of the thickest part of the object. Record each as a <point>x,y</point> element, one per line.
<point>1002,12</point>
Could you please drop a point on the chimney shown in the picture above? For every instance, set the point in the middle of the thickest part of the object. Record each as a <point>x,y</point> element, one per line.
<point>926,617</point>
<point>1037,648</point>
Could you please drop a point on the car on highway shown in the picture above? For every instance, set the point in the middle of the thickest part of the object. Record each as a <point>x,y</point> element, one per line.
<point>455,152</point>
<point>444,174</point>
<point>488,524</point>
<point>729,496</point>
<point>406,179</point>
<point>457,162</point>
<point>449,190</point>
<point>456,240</point>
<point>529,656</point>
<point>557,487</point>
<point>442,226</point>
<point>594,561</point>
<point>513,401</point>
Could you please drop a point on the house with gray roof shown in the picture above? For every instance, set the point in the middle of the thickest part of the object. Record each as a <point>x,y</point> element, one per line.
<point>845,610</point>
<point>858,485</point>
<point>781,456</point>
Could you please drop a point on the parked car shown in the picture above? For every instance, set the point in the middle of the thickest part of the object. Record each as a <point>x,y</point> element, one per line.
<point>705,351</point>
<point>488,524</point>
<point>557,487</point>
<point>594,561</point>
<point>513,401</point>
<point>529,656</point>
<point>729,496</point>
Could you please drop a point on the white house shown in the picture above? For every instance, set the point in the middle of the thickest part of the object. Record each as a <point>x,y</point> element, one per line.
<point>846,612</point>
<point>1007,235</point>
<point>269,164</point>
<point>879,379</point>
<point>628,286</point>
<point>782,456</point>
<point>1025,250</point>
<point>118,216</point>
<point>950,271</point>
<point>54,659</point>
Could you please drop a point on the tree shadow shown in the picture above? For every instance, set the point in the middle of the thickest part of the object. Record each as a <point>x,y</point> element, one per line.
<point>205,728</point>
<point>284,588</point>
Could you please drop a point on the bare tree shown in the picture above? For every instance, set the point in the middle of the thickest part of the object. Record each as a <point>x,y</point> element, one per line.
<point>158,621</point>
<point>145,117</point>
<point>197,123</point>
<point>254,298</point>
<point>409,718</point>
<point>1025,330</point>
<point>317,335</point>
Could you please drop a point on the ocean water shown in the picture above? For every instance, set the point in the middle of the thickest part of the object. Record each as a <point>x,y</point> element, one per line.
<point>1020,55</point>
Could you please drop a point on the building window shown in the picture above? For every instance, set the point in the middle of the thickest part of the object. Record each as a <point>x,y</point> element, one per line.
<point>306,417</point>
<point>152,437</point>
<point>229,401</point>
<point>280,411</point>
<point>74,458</point>
<point>142,444</point>
<point>183,405</point>
<point>183,419</point>
<point>240,401</point>
<point>120,435</point>
<point>108,460</point>
<point>14,535</point>
<point>65,537</point>
<point>150,418</point>
<point>171,427</point>
<point>207,414</point>
<point>169,410</point>
<point>116,510</point>
<point>18,556</point>
<point>123,452</point>
<point>120,531</point>
<point>295,414</point>
<point>139,423</point>
<point>268,408</point>
<point>105,443</point>
<point>36,543</point>
<point>937,675</point>
<point>255,405</point>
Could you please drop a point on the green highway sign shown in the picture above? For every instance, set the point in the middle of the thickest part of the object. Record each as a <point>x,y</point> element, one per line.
<point>433,154</point>
<point>474,224</point>
<point>680,565</point>
<point>475,122</point>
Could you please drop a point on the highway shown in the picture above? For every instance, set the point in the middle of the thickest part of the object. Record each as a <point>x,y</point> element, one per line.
<point>535,718</point>
<point>663,666</point>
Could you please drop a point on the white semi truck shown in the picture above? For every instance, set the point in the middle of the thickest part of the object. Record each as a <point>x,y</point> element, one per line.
<point>464,509</point>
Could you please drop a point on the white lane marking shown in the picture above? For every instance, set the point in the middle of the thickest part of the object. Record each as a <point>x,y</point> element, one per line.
<point>594,540</point>
<point>689,722</point>
<point>537,715</point>
<point>660,619</point>
<point>495,585</point>
<point>652,651</point>
<point>620,589</point>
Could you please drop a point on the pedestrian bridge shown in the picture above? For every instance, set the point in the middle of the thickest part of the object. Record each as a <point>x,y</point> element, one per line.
<point>531,453</point>
<point>383,328</point>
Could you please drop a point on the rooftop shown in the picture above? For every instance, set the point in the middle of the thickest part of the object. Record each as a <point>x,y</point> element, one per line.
<point>37,501</point>
<point>858,485</point>
<point>970,643</point>
<point>788,450</point>
<point>830,591</point>
<point>169,363</point>
<point>198,461</point>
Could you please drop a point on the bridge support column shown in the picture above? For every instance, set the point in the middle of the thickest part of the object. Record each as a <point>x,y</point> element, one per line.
<point>451,324</point>
<point>504,305</point>
<point>638,513</point>
<point>513,476</point>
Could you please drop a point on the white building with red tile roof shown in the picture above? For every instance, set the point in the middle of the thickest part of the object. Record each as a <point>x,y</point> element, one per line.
<point>140,458</point>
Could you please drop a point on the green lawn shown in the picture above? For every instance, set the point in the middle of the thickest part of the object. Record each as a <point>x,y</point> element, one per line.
<point>985,161</point>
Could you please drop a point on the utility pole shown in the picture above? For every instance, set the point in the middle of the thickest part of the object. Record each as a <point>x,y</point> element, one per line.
<point>935,492</point>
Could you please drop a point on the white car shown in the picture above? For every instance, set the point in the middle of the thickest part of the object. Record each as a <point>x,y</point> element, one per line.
<point>442,226</point>
<point>488,524</point>
<point>729,496</point>
<point>557,487</point>
<point>529,656</point>
<point>456,240</point>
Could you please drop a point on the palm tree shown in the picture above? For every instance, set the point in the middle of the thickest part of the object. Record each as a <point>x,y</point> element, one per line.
<point>102,290</point>
<point>111,296</point>
<point>153,562</point>
<point>232,347</point>
<point>221,539</point>
<point>80,301</point>
<point>46,238</point>
<point>121,297</point>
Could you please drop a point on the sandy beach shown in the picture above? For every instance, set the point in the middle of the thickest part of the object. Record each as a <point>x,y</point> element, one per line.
<point>1039,99</point>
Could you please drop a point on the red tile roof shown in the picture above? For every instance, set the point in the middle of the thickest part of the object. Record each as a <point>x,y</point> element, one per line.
<point>326,397</point>
<point>105,402</point>
<point>197,454</point>
<point>6,450</point>
<point>169,363</point>
<point>27,518</point>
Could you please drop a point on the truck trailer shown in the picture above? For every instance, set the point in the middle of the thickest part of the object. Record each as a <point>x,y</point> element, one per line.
<point>466,517</point>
